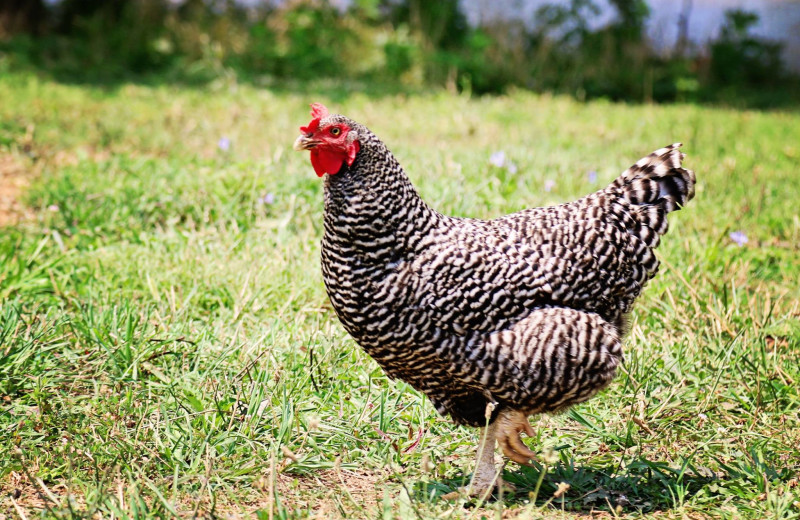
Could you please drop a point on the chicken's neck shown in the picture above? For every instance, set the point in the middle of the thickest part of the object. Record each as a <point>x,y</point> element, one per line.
<point>373,202</point>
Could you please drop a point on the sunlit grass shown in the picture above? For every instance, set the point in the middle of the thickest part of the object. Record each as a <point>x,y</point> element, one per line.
<point>167,346</point>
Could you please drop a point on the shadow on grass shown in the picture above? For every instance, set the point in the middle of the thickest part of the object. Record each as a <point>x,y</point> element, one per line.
<point>642,485</point>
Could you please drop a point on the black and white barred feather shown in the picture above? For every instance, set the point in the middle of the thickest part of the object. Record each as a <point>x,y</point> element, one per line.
<point>526,311</point>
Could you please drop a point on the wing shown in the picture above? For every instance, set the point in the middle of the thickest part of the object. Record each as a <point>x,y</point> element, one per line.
<point>485,275</point>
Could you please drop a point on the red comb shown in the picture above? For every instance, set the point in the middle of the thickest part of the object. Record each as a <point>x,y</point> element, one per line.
<point>318,111</point>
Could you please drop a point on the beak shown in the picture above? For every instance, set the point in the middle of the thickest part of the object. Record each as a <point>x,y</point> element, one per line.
<point>305,142</point>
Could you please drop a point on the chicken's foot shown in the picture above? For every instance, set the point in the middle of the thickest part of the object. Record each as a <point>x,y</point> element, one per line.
<point>510,424</point>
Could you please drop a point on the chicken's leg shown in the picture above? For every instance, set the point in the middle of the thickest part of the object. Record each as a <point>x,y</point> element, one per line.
<point>486,476</point>
<point>506,429</point>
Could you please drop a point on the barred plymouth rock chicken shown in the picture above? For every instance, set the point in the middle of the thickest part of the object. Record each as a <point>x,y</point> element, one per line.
<point>493,320</point>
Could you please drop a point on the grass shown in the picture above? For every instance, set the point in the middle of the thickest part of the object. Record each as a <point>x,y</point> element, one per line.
<point>168,349</point>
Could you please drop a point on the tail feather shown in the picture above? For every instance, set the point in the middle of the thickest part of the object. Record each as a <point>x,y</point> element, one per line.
<point>659,178</point>
<point>655,186</point>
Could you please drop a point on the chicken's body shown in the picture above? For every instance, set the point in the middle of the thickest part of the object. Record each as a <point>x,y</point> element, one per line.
<point>519,315</point>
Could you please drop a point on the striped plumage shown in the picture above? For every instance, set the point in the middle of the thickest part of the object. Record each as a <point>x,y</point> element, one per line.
<point>526,311</point>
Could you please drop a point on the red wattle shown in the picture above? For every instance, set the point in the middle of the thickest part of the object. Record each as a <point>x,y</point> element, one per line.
<point>327,162</point>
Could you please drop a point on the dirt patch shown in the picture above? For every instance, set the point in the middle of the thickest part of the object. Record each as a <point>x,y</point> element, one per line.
<point>343,490</point>
<point>14,178</point>
<point>19,496</point>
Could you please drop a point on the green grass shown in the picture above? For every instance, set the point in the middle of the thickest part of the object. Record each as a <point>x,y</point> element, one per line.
<point>167,346</point>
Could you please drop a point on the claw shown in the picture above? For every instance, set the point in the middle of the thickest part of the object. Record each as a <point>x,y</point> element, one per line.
<point>529,431</point>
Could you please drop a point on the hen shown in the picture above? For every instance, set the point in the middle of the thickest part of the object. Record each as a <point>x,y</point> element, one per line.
<point>493,320</point>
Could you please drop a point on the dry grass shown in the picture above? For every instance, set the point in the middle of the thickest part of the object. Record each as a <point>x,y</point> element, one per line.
<point>14,178</point>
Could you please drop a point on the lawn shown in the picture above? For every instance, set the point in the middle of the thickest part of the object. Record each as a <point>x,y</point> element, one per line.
<point>167,348</point>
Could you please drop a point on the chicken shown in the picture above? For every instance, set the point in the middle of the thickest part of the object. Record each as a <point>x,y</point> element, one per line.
<point>493,320</point>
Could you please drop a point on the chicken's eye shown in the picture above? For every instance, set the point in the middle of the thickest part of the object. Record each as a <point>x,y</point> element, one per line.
<point>336,131</point>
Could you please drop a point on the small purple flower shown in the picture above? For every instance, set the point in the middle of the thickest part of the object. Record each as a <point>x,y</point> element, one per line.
<point>224,144</point>
<point>267,198</point>
<point>739,237</point>
<point>498,159</point>
<point>549,184</point>
<point>591,176</point>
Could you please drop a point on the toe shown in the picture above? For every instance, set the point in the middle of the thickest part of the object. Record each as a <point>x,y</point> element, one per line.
<point>529,431</point>
<point>518,458</point>
<point>512,453</point>
<point>517,445</point>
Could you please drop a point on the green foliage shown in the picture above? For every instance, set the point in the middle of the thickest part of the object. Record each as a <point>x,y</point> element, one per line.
<point>399,45</point>
<point>82,41</point>
<point>632,16</point>
<point>312,45</point>
<point>440,25</point>
<point>738,57</point>
<point>617,62</point>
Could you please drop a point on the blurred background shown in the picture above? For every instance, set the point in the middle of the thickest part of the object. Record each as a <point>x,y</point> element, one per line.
<point>719,51</point>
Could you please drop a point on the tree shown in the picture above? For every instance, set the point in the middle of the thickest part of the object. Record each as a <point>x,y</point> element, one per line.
<point>440,24</point>
<point>632,17</point>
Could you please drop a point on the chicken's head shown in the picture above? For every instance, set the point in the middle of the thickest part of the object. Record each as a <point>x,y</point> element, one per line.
<point>330,139</point>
